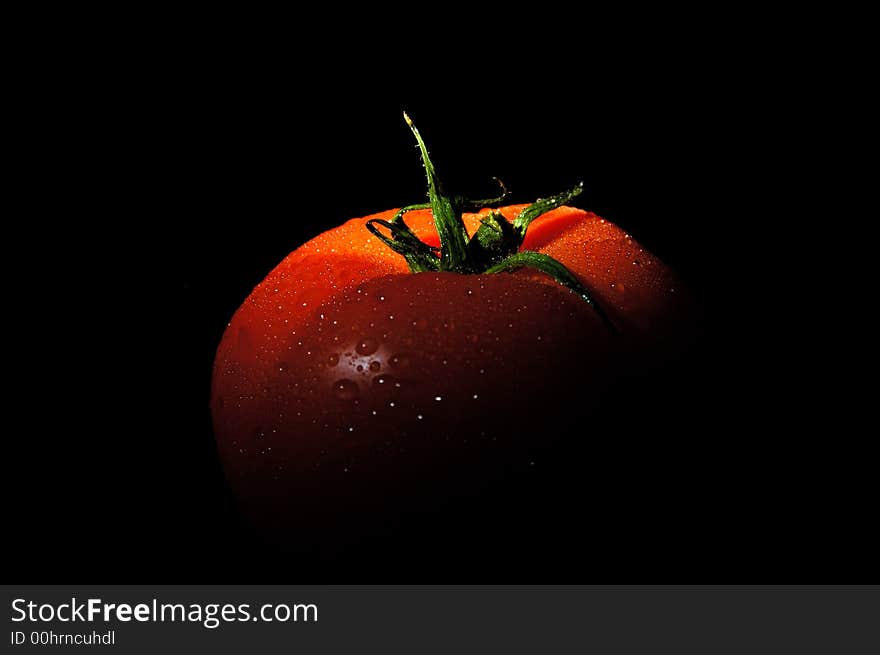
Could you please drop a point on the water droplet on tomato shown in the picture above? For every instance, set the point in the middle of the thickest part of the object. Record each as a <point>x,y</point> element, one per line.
<point>367,346</point>
<point>386,381</point>
<point>345,389</point>
<point>399,361</point>
<point>333,359</point>
<point>375,366</point>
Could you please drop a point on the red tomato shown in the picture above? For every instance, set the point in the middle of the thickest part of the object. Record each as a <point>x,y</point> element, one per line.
<point>346,384</point>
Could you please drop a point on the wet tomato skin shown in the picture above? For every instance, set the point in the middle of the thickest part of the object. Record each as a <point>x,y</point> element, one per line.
<point>346,385</point>
<point>407,380</point>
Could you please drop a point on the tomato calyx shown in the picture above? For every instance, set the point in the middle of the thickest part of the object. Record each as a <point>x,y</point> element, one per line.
<point>493,248</point>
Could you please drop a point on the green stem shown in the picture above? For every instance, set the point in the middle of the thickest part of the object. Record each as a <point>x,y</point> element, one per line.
<point>493,248</point>
<point>450,227</point>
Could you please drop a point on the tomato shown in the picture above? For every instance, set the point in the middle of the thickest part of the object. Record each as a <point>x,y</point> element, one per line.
<point>346,384</point>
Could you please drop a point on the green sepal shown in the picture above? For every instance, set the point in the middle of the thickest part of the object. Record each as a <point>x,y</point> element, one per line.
<point>398,217</point>
<point>553,268</point>
<point>467,204</point>
<point>419,255</point>
<point>539,208</point>
<point>447,218</point>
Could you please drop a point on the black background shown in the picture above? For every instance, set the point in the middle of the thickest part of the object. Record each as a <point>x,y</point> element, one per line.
<point>161,191</point>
